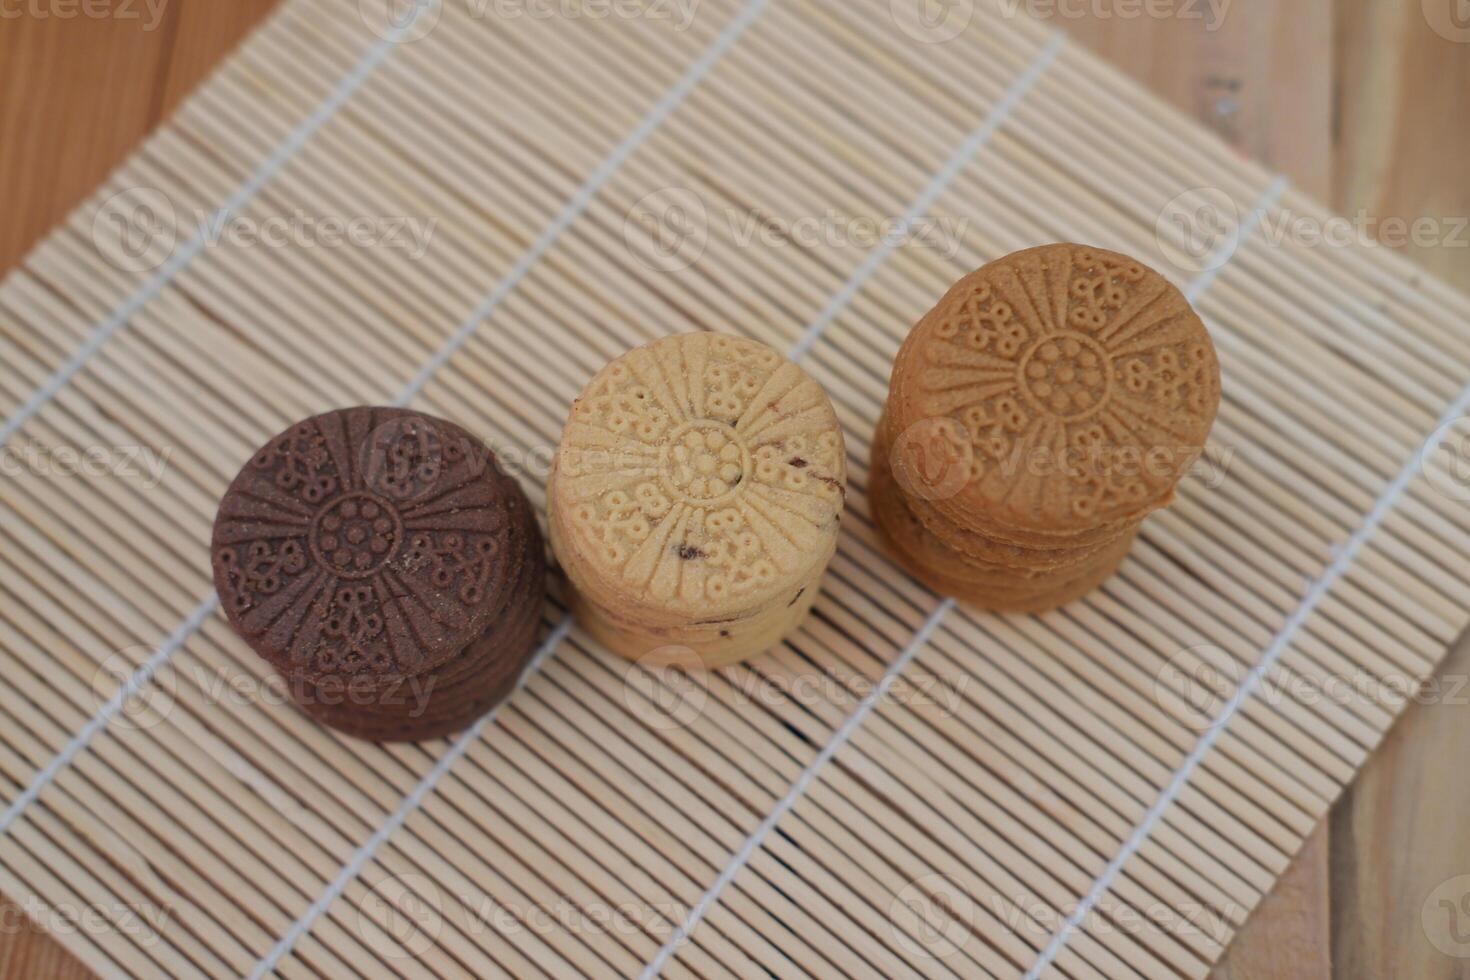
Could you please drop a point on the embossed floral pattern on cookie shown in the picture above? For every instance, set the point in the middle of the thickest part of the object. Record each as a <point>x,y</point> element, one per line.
<point>364,540</point>
<point>703,471</point>
<point>1084,382</point>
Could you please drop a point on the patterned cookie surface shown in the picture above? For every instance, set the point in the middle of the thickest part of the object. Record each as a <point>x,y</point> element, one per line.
<point>369,542</point>
<point>700,473</point>
<point>1059,388</point>
<point>968,543</point>
<point>929,560</point>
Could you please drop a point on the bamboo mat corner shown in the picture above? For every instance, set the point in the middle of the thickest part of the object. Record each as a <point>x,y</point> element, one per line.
<point>906,787</point>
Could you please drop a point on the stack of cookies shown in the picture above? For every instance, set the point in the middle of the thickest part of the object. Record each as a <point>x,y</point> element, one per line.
<point>382,563</point>
<point>695,498</point>
<point>1050,401</point>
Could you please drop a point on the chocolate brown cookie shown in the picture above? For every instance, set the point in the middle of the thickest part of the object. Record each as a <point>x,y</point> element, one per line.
<point>368,550</point>
<point>930,560</point>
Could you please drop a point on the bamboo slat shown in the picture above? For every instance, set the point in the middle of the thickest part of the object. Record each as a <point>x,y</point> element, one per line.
<point>906,787</point>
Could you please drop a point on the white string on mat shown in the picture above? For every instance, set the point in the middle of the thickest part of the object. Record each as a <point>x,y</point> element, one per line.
<point>942,178</point>
<point>466,329</point>
<point>119,318</point>
<point>605,170</point>
<point>1274,651</point>
<point>839,738</point>
<point>574,208</point>
<point>802,346</point>
<point>190,250</point>
<point>1319,590</point>
<point>1244,230</point>
<point>406,807</point>
<point>133,685</point>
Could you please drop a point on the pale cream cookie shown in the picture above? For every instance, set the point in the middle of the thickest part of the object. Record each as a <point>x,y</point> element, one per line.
<point>700,477</point>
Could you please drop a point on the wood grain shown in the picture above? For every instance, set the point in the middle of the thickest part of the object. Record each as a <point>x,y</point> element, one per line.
<point>26,950</point>
<point>1260,75</point>
<point>76,96</point>
<point>1349,99</point>
<point>1399,831</point>
<point>1355,100</point>
<point>1261,78</point>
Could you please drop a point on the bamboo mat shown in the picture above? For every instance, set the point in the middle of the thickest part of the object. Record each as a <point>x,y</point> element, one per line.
<point>905,788</point>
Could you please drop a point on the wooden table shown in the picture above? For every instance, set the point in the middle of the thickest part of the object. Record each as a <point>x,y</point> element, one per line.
<point>1359,102</point>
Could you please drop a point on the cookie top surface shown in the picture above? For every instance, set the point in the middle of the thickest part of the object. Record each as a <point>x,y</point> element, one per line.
<point>369,542</point>
<point>701,473</point>
<point>1059,388</point>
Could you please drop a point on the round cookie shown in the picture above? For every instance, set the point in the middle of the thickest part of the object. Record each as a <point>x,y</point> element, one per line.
<point>660,622</point>
<point>927,559</point>
<point>729,644</point>
<point>420,703</point>
<point>369,549</point>
<point>699,479</point>
<point>1055,395</point>
<point>436,694</point>
<point>1031,602</point>
<point>980,549</point>
<point>408,728</point>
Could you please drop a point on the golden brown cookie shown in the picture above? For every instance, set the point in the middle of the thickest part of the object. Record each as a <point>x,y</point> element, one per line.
<point>700,479</point>
<point>1055,395</point>
<point>945,571</point>
<point>985,549</point>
